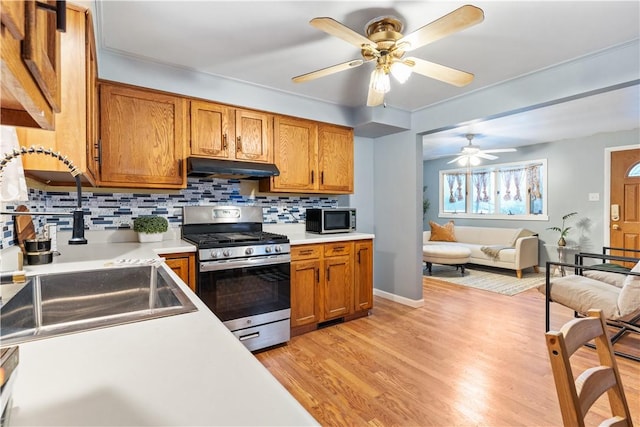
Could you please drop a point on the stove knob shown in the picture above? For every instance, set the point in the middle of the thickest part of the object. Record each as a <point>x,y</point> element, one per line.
<point>226,252</point>
<point>268,249</point>
<point>248,251</point>
<point>278,248</point>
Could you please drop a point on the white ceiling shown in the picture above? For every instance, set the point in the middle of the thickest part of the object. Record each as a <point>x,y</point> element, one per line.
<point>267,43</point>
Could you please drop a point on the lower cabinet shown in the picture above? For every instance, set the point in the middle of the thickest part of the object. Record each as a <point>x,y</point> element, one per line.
<point>330,282</point>
<point>184,265</point>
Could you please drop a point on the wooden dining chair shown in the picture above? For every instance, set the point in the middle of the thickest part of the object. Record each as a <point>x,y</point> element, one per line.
<point>577,395</point>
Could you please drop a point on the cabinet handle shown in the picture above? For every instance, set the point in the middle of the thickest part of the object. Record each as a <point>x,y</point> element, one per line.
<point>317,275</point>
<point>306,252</point>
<point>60,9</point>
<point>338,249</point>
<point>322,177</point>
<point>328,274</point>
<point>312,177</point>
<point>359,256</point>
<point>238,144</point>
<point>224,142</point>
<point>98,147</point>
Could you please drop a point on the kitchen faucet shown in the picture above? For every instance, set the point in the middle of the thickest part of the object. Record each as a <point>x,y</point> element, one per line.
<point>77,236</point>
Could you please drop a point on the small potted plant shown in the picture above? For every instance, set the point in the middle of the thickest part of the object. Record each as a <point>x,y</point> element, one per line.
<point>150,228</point>
<point>563,230</point>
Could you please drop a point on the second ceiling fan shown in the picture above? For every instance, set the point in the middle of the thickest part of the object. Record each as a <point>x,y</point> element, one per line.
<point>471,153</point>
<point>385,43</point>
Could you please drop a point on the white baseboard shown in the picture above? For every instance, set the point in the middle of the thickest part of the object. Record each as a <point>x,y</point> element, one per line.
<point>397,298</point>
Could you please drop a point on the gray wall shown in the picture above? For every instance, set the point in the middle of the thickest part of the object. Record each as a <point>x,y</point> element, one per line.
<point>575,168</point>
<point>398,212</point>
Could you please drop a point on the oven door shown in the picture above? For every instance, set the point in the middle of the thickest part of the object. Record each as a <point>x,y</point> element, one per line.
<point>243,288</point>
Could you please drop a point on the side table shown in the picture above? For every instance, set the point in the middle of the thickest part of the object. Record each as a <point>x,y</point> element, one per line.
<point>563,251</point>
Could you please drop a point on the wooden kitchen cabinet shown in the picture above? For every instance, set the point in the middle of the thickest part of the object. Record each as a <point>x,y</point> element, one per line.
<point>254,136</point>
<point>330,282</point>
<point>295,146</point>
<point>312,157</point>
<point>184,265</point>
<point>76,132</point>
<point>212,130</point>
<point>363,275</point>
<point>228,133</point>
<point>143,135</point>
<point>335,159</point>
<point>306,275</point>
<point>30,65</point>
<point>337,289</point>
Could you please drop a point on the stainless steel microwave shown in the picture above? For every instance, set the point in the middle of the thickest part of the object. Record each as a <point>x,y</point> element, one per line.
<point>327,220</point>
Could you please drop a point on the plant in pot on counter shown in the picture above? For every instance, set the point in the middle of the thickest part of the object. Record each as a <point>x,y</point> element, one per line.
<point>150,228</point>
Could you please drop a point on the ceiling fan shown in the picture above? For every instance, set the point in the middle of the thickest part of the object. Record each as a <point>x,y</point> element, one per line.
<point>385,43</point>
<point>471,154</point>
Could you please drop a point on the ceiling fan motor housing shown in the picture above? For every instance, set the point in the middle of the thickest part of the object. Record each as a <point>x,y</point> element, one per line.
<point>384,32</point>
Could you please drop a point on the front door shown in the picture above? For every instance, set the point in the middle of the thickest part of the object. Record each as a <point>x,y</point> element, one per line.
<point>624,211</point>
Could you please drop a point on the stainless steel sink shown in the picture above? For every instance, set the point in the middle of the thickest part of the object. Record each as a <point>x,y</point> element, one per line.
<point>62,303</point>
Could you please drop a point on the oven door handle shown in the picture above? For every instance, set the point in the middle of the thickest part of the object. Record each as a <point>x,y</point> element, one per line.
<point>244,262</point>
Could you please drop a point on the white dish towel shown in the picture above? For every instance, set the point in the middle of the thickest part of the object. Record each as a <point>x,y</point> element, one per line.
<point>13,186</point>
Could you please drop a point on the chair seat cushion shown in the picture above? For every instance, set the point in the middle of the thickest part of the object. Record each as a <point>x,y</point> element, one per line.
<point>583,293</point>
<point>615,279</point>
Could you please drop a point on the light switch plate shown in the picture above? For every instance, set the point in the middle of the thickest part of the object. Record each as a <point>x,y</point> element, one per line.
<point>594,197</point>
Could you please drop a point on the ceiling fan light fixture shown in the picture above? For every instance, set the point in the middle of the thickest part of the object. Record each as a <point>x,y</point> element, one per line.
<point>380,81</point>
<point>400,71</point>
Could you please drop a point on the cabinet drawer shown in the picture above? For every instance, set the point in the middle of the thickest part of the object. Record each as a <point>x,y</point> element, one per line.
<point>338,248</point>
<point>306,252</point>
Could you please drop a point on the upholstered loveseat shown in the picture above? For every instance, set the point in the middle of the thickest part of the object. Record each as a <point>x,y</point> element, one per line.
<point>511,248</point>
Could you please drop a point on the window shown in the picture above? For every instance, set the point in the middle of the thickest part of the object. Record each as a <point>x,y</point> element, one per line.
<point>509,191</point>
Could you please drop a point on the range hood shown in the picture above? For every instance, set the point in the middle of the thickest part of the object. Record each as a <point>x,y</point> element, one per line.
<point>200,167</point>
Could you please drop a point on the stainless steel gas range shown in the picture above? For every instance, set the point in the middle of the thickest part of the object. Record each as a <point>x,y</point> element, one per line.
<point>243,272</point>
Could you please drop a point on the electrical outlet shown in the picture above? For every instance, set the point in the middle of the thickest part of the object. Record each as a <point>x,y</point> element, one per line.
<point>594,197</point>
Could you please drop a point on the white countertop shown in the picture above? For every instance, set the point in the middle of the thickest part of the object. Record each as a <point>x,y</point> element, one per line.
<point>298,236</point>
<point>186,369</point>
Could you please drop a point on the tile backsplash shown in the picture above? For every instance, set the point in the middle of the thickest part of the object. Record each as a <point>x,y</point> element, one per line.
<point>110,211</point>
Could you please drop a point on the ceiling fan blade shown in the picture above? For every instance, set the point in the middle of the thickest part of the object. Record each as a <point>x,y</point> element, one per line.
<point>484,155</point>
<point>335,28</point>
<point>329,70</point>
<point>500,150</point>
<point>458,20</point>
<point>456,159</point>
<point>374,97</point>
<point>439,72</point>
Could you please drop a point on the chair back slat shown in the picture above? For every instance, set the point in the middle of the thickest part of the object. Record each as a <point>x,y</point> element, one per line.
<point>576,394</point>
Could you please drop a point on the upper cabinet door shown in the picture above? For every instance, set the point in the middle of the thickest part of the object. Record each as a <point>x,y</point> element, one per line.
<point>295,145</point>
<point>75,135</point>
<point>30,65</point>
<point>143,138</point>
<point>211,130</point>
<point>335,158</point>
<point>41,51</point>
<point>254,133</point>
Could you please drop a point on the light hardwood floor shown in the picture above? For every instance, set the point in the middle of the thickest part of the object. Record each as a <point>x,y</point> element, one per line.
<point>468,357</point>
